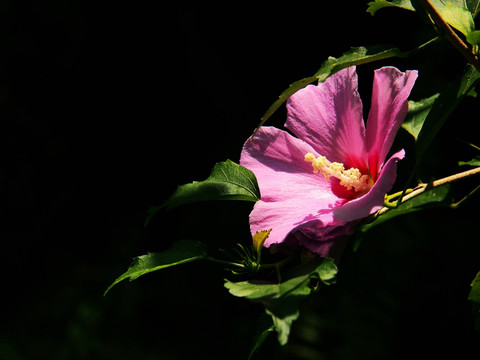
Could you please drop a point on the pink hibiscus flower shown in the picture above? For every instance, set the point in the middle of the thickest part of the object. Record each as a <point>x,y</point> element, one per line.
<point>316,185</point>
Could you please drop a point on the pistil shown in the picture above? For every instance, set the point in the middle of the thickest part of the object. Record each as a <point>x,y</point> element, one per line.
<point>351,178</point>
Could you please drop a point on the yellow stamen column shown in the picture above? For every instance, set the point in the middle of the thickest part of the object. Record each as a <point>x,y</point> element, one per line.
<point>351,178</point>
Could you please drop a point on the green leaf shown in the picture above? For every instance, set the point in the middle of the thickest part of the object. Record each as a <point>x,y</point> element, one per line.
<point>227,181</point>
<point>257,290</point>
<point>454,12</point>
<point>283,323</point>
<point>376,5</point>
<point>282,300</point>
<point>457,16</point>
<point>264,328</point>
<point>474,162</point>
<point>292,89</point>
<point>475,291</point>
<point>474,296</point>
<point>436,197</point>
<point>327,272</point>
<point>182,252</point>
<point>355,56</point>
<point>473,6</point>
<point>473,37</point>
<point>417,113</point>
<point>444,105</point>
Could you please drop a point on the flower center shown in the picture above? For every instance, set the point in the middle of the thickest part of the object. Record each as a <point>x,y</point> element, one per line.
<point>351,178</point>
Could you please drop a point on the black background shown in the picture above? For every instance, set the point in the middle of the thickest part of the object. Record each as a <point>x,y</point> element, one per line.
<point>106,107</point>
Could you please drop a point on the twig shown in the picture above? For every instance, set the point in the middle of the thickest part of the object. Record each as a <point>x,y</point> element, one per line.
<point>460,202</point>
<point>449,34</point>
<point>423,187</point>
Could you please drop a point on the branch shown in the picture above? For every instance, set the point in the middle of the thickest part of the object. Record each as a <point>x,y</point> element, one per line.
<point>424,187</point>
<point>449,34</point>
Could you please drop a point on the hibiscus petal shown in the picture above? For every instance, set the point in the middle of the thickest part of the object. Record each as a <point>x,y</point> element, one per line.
<point>391,89</point>
<point>278,161</point>
<point>290,215</point>
<point>292,195</point>
<point>326,241</point>
<point>373,200</point>
<point>329,118</point>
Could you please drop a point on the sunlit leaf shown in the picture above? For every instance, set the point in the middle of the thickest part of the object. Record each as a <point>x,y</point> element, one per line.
<point>436,197</point>
<point>227,181</point>
<point>182,252</point>
<point>283,323</point>
<point>458,17</point>
<point>439,4</point>
<point>257,290</point>
<point>456,13</point>
<point>376,5</point>
<point>417,113</point>
<point>327,272</point>
<point>357,56</point>
<point>473,37</point>
<point>262,290</point>
<point>282,300</point>
<point>474,162</point>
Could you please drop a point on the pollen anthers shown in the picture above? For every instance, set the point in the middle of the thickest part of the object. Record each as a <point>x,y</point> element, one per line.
<point>351,178</point>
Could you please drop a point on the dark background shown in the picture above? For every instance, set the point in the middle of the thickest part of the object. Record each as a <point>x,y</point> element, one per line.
<point>106,107</point>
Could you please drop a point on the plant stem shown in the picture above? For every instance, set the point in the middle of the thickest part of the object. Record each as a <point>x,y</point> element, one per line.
<point>423,187</point>
<point>456,177</point>
<point>278,264</point>
<point>447,32</point>
<point>460,202</point>
<point>223,262</point>
<point>419,48</point>
<point>390,199</point>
